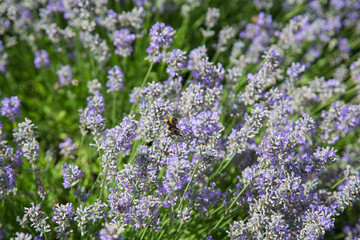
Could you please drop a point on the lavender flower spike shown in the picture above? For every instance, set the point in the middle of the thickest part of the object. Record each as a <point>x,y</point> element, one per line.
<point>66,147</point>
<point>41,59</point>
<point>122,41</point>
<point>161,38</point>
<point>7,181</point>
<point>10,107</point>
<point>71,175</point>
<point>115,79</point>
<point>65,75</point>
<point>62,216</point>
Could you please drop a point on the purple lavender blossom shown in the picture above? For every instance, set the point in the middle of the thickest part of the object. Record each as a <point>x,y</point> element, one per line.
<point>37,218</point>
<point>3,57</point>
<point>343,45</point>
<point>295,70</point>
<point>63,214</point>
<point>225,36</point>
<point>122,41</point>
<point>10,107</point>
<point>42,59</point>
<point>338,121</point>
<point>177,174</point>
<point>71,175</point>
<point>66,147</point>
<point>177,61</point>
<point>212,17</point>
<point>65,75</point>
<point>25,135</point>
<point>91,115</point>
<point>207,74</point>
<point>316,220</point>
<point>111,231</point>
<point>161,38</point>
<point>23,236</point>
<point>7,180</point>
<point>195,57</point>
<point>352,230</point>
<point>355,71</point>
<point>119,138</point>
<point>88,214</point>
<point>258,33</point>
<point>94,86</point>
<point>115,79</point>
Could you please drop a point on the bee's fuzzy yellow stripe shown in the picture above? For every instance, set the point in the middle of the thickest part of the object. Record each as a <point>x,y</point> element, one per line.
<point>171,120</point>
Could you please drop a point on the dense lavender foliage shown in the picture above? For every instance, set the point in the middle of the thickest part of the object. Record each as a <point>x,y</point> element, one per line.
<point>179,119</point>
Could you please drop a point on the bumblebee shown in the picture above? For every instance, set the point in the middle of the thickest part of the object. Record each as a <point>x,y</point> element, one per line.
<point>173,129</point>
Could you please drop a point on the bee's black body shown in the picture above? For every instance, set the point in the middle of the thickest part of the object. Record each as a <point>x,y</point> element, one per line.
<point>173,129</point>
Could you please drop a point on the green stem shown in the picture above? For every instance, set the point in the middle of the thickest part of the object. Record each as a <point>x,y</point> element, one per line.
<point>143,234</point>
<point>143,84</point>
<point>81,141</point>
<point>114,108</point>
<point>103,183</point>
<point>178,230</point>
<point>203,41</point>
<point>342,180</point>
<point>188,185</point>
<point>231,205</point>
<point>147,75</point>
<point>216,55</point>
<point>72,197</point>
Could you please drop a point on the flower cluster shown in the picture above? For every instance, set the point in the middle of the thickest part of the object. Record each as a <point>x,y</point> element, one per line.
<point>66,147</point>
<point>115,79</point>
<point>71,174</point>
<point>247,128</point>
<point>10,107</point>
<point>161,39</point>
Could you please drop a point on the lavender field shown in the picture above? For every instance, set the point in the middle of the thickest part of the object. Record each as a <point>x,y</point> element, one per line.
<point>179,119</point>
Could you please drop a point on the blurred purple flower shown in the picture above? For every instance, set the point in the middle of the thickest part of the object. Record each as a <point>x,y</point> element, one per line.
<point>10,107</point>
<point>66,147</point>
<point>122,41</point>
<point>65,75</point>
<point>115,79</point>
<point>41,59</point>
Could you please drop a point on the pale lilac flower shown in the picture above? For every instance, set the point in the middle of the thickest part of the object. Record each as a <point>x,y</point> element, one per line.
<point>71,174</point>
<point>161,38</point>
<point>355,71</point>
<point>10,107</point>
<point>7,180</point>
<point>177,61</point>
<point>196,56</point>
<point>115,79</point>
<point>42,59</point>
<point>22,236</point>
<point>88,214</point>
<point>225,36</point>
<point>37,218</point>
<point>65,75</point>
<point>122,41</point>
<point>3,58</point>
<point>63,214</point>
<point>212,17</point>
<point>66,147</point>
<point>111,231</point>
<point>295,70</point>
<point>25,135</point>
<point>94,86</point>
